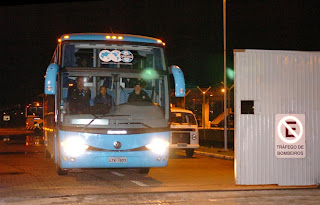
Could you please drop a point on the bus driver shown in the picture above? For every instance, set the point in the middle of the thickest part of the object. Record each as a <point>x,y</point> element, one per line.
<point>139,94</point>
<point>79,97</point>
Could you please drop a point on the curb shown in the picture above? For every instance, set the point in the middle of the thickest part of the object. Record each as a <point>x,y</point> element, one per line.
<point>214,155</point>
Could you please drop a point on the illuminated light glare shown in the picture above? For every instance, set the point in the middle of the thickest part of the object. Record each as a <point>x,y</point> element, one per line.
<point>120,37</point>
<point>74,146</point>
<point>163,44</point>
<point>66,37</point>
<point>158,146</point>
<point>117,132</point>
<point>114,37</point>
<point>70,84</point>
<point>149,74</point>
<point>222,90</point>
<point>108,37</point>
<point>159,41</point>
<point>230,73</point>
<point>59,40</point>
<point>283,122</point>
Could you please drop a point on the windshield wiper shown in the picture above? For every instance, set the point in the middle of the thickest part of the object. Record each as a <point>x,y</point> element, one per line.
<point>95,117</point>
<point>99,117</point>
<point>135,123</point>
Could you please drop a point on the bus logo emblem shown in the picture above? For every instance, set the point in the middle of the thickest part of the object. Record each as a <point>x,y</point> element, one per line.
<point>117,144</point>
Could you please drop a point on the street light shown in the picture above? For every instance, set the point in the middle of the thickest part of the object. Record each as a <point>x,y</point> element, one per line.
<point>225,71</point>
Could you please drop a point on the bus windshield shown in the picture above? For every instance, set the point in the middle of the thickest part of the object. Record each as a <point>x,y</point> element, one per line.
<point>112,56</point>
<point>113,86</point>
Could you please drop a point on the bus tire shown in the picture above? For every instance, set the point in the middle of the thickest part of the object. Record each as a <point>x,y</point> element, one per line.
<point>189,152</point>
<point>61,172</point>
<point>47,154</point>
<point>143,170</point>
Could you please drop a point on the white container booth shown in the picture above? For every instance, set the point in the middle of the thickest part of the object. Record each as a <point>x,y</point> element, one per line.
<point>277,112</point>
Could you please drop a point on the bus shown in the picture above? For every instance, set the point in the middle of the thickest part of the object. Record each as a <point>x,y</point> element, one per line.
<point>34,116</point>
<point>131,134</point>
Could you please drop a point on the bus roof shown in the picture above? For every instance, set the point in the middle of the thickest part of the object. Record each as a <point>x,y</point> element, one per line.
<point>110,37</point>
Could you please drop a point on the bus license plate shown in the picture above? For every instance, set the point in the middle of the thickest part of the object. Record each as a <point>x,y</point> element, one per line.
<point>117,160</point>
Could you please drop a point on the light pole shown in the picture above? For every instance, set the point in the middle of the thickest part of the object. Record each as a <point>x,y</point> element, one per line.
<point>227,111</point>
<point>225,72</point>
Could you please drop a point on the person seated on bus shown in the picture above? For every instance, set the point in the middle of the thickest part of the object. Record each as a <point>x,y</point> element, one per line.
<point>139,94</point>
<point>79,97</point>
<point>103,102</point>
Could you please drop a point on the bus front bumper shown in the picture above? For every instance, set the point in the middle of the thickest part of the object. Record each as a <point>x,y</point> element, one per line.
<point>91,159</point>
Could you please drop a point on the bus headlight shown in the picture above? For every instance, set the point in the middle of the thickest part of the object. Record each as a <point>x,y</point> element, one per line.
<point>74,146</point>
<point>158,146</point>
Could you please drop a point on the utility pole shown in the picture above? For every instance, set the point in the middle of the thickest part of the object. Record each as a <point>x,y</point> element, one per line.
<point>227,90</point>
<point>225,72</point>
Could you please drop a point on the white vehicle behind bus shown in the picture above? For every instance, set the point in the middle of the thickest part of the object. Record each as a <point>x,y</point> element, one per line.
<point>184,131</point>
<point>34,116</point>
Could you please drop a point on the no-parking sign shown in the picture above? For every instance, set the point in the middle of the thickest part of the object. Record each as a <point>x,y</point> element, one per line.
<point>290,136</point>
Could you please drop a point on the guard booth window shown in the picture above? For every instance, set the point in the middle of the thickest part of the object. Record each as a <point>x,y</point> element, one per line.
<point>247,107</point>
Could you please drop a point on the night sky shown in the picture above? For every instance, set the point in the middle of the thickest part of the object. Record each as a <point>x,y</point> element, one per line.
<point>192,31</point>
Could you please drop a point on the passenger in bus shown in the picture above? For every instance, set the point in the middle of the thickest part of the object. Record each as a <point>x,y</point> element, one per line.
<point>139,94</point>
<point>103,102</point>
<point>79,97</point>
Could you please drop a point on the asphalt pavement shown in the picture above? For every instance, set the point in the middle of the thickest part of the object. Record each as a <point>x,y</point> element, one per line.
<point>27,177</point>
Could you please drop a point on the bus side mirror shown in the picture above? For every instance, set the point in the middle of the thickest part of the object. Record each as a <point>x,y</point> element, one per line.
<point>180,85</point>
<point>51,79</point>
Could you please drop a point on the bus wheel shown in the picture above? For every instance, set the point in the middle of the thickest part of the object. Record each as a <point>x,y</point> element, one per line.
<point>61,171</point>
<point>189,152</point>
<point>47,154</point>
<point>143,170</point>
